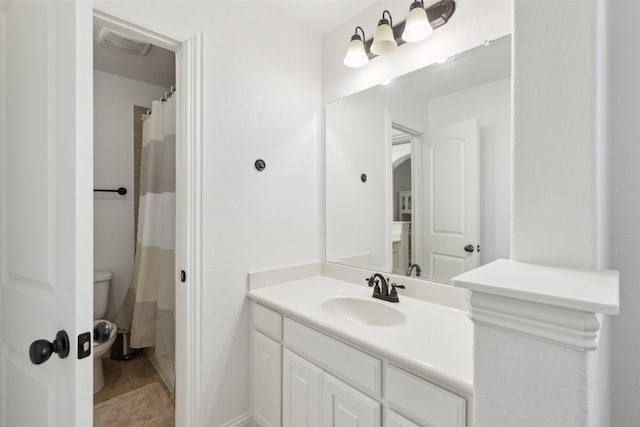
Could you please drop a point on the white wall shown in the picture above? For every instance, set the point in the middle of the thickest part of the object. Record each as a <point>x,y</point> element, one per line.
<point>555,129</point>
<point>261,100</point>
<point>490,105</point>
<point>624,157</point>
<point>114,98</point>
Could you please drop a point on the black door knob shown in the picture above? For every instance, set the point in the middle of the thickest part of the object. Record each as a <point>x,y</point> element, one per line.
<point>469,248</point>
<point>41,350</point>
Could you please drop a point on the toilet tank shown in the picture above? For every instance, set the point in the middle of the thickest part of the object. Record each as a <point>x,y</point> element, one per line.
<point>101,285</point>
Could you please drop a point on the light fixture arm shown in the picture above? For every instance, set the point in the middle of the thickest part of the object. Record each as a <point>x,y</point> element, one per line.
<point>388,14</point>
<point>362,31</point>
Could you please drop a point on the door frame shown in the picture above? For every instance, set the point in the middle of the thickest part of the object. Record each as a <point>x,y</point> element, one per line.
<point>188,310</point>
<point>415,134</point>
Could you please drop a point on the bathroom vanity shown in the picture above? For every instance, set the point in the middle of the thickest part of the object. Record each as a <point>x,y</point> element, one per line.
<point>325,353</point>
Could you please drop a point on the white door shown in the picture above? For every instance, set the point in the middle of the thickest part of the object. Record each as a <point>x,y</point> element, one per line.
<point>446,200</point>
<point>301,392</point>
<point>267,380</point>
<point>344,406</point>
<point>46,210</point>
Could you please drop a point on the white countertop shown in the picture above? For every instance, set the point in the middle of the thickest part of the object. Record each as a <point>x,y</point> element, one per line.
<point>593,291</point>
<point>435,341</point>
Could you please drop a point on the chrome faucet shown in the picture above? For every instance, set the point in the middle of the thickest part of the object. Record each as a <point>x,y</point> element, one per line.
<point>417,267</point>
<point>381,288</point>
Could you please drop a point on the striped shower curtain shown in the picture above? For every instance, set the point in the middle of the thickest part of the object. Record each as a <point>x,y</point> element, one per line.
<point>150,301</point>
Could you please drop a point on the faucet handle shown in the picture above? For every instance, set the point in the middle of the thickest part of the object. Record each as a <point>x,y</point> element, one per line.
<point>393,293</point>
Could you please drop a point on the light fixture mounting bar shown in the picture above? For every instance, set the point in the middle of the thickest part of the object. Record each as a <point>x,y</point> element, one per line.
<point>438,14</point>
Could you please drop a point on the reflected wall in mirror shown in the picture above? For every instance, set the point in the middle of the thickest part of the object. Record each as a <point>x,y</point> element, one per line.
<point>435,145</point>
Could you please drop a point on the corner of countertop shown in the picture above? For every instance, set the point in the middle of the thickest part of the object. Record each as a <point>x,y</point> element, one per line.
<point>263,278</point>
<point>594,291</point>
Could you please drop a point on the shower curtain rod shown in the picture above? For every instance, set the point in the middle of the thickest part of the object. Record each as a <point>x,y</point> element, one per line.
<point>163,98</point>
<point>121,191</point>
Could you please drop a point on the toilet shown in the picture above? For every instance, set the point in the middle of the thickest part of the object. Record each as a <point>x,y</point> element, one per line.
<point>101,285</point>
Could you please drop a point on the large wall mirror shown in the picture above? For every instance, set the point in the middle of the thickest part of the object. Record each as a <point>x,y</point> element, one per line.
<point>418,170</point>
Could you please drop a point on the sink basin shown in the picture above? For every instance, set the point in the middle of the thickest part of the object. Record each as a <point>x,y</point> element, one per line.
<point>363,311</point>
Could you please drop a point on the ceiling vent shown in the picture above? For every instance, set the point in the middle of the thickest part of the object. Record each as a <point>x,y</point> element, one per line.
<point>110,38</point>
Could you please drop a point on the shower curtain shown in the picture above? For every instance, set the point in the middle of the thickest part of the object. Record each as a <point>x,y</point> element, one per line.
<point>150,303</point>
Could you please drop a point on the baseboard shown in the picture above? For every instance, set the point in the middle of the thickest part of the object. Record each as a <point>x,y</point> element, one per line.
<point>152,358</point>
<point>243,420</point>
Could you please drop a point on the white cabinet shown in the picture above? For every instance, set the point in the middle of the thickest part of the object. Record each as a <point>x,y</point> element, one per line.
<point>426,402</point>
<point>303,377</point>
<point>344,406</point>
<point>267,321</point>
<point>267,375</point>
<point>354,366</point>
<point>301,392</point>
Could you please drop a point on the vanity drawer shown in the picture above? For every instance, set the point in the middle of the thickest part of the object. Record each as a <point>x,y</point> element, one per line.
<point>267,321</point>
<point>422,400</point>
<point>353,366</point>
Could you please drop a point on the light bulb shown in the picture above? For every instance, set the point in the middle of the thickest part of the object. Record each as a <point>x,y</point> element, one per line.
<point>384,42</point>
<point>416,26</point>
<point>356,55</point>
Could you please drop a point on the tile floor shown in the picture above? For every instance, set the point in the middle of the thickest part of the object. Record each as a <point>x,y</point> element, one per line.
<point>122,376</point>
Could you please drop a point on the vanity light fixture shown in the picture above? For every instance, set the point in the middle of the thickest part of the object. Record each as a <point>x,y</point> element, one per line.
<point>416,26</point>
<point>356,54</point>
<point>384,41</point>
<point>419,24</point>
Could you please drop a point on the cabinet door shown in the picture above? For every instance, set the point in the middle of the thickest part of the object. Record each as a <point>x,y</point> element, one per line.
<point>344,406</point>
<point>267,372</point>
<point>301,392</point>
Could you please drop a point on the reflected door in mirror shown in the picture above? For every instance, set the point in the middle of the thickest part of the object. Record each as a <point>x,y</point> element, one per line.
<point>446,203</point>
